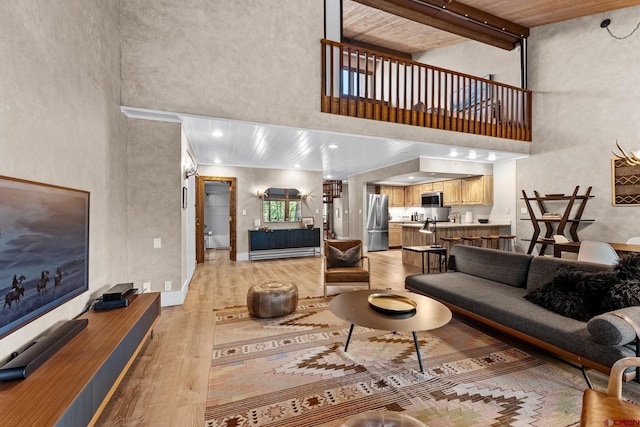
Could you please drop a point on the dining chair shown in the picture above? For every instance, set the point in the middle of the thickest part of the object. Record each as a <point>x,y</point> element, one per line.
<point>599,407</point>
<point>633,241</point>
<point>597,252</point>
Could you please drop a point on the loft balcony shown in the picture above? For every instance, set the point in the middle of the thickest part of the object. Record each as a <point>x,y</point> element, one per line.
<point>362,83</point>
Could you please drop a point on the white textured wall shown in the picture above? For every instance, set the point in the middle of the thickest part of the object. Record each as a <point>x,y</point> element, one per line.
<point>244,60</point>
<point>477,59</point>
<point>586,95</point>
<point>155,204</point>
<point>251,180</point>
<point>60,123</point>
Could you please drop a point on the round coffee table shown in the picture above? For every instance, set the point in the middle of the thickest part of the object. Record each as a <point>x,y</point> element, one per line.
<point>354,308</point>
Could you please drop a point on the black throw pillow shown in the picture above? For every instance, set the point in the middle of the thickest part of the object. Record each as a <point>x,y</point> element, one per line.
<point>348,258</point>
<point>621,295</point>
<point>574,293</point>
<point>628,267</point>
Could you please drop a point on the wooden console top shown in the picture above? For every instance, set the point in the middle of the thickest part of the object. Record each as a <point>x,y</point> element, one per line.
<point>72,387</point>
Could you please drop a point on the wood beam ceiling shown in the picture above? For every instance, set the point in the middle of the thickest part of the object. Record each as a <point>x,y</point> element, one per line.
<point>457,18</point>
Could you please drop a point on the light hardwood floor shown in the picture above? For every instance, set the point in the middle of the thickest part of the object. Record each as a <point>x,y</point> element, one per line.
<point>167,383</point>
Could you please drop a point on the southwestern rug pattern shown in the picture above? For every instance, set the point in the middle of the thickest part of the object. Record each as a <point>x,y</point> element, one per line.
<point>293,371</point>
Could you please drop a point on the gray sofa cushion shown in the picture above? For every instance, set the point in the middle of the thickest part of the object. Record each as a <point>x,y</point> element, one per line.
<point>504,267</point>
<point>543,269</point>
<point>609,329</point>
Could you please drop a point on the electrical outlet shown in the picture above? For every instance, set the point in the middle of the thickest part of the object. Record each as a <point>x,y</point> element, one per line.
<point>146,287</point>
<point>157,243</point>
<point>167,285</point>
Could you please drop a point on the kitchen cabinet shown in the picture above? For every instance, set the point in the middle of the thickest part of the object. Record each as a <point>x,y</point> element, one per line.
<point>452,193</point>
<point>395,235</point>
<point>412,195</point>
<point>396,195</point>
<point>475,190</point>
<point>437,186</point>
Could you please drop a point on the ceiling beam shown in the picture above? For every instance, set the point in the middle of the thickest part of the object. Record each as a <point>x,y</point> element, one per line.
<point>375,47</point>
<point>457,18</point>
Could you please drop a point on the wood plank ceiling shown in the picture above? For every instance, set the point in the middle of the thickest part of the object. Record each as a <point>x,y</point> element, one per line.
<point>369,21</point>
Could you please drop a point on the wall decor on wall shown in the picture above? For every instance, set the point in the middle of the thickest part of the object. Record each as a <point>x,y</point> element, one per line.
<point>625,182</point>
<point>44,249</point>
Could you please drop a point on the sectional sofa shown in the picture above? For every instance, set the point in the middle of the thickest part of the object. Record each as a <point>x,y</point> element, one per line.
<point>490,286</point>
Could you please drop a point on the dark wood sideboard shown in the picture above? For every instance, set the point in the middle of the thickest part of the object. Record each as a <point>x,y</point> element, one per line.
<point>75,384</point>
<point>265,244</point>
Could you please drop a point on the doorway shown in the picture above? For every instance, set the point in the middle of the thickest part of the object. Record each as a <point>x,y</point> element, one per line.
<point>215,215</point>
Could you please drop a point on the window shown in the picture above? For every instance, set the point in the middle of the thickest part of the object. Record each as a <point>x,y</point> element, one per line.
<point>280,210</point>
<point>281,205</point>
<point>355,82</point>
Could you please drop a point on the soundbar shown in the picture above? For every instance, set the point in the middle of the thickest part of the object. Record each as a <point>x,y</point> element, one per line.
<point>31,358</point>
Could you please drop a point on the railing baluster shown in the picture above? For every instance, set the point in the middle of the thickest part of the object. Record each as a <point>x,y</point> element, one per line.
<point>382,87</point>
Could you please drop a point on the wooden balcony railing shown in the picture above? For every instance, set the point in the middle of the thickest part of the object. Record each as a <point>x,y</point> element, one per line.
<point>363,83</point>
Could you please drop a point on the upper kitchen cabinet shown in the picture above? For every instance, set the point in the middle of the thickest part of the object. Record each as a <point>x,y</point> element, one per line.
<point>452,193</point>
<point>476,190</point>
<point>396,196</point>
<point>437,186</point>
<point>412,195</point>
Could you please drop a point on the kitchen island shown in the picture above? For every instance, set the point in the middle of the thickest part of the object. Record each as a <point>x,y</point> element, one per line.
<point>411,235</point>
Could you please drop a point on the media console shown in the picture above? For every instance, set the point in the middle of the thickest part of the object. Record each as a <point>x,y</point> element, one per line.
<point>267,244</point>
<point>74,385</point>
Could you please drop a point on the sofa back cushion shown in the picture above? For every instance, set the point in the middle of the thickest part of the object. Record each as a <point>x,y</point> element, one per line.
<point>500,266</point>
<point>543,269</point>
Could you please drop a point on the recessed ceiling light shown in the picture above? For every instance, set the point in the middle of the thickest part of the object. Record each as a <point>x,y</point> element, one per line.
<point>412,177</point>
<point>472,154</point>
<point>491,156</point>
<point>328,176</point>
<point>217,161</point>
<point>297,166</point>
<point>453,153</point>
<point>333,146</point>
<point>216,134</point>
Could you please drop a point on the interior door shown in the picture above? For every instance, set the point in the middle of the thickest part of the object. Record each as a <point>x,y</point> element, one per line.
<point>200,180</point>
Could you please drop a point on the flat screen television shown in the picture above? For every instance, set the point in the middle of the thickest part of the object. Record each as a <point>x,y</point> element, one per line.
<point>44,249</point>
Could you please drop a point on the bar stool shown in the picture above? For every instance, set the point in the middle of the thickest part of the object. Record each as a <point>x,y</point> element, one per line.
<point>491,241</point>
<point>506,240</point>
<point>472,240</point>
<point>448,242</point>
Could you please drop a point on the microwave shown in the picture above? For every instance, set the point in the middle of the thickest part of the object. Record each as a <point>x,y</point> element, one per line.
<point>432,200</point>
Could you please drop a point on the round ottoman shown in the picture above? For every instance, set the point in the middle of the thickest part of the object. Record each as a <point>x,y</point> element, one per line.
<point>272,299</point>
<point>382,419</point>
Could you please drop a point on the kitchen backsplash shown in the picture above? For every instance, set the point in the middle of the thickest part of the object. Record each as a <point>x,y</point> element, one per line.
<point>404,214</point>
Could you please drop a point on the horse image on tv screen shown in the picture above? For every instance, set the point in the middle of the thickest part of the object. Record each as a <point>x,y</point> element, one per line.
<point>44,244</point>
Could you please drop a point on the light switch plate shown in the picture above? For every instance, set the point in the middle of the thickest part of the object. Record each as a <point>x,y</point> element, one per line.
<point>157,243</point>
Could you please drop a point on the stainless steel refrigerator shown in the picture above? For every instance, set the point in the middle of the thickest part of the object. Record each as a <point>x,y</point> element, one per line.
<point>377,222</point>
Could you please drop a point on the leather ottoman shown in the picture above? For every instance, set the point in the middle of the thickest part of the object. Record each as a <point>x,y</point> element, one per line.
<point>272,299</point>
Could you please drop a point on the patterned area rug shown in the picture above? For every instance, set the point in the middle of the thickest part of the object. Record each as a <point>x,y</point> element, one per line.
<point>293,371</point>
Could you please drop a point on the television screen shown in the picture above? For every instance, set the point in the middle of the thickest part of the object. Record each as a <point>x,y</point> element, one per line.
<point>44,249</point>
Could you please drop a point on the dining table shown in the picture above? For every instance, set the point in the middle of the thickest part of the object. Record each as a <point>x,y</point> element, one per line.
<point>620,248</point>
